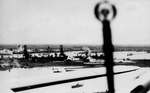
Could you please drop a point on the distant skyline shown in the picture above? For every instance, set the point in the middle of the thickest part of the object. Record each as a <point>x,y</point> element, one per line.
<point>71,22</point>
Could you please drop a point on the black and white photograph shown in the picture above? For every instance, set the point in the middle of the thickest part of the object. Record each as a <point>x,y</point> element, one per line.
<point>74,46</point>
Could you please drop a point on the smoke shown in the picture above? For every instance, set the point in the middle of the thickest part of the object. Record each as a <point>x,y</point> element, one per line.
<point>16,63</point>
<point>87,50</point>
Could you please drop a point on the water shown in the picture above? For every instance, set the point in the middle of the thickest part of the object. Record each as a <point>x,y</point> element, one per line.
<point>21,77</point>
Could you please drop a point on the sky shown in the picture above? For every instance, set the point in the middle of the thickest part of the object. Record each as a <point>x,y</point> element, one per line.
<point>72,22</point>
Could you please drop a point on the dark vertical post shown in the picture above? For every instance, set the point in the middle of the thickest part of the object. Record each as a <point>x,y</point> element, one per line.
<point>25,52</point>
<point>48,50</point>
<point>108,54</point>
<point>105,12</point>
<point>61,50</point>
